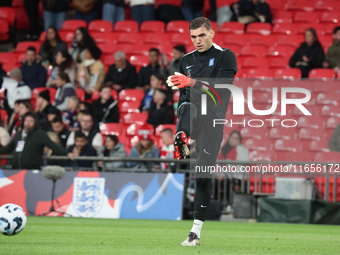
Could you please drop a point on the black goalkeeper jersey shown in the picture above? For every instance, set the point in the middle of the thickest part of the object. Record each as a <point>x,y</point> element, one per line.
<point>216,66</point>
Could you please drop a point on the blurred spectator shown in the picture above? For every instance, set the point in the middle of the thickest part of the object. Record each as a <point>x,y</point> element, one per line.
<point>33,73</point>
<point>72,109</point>
<point>91,72</point>
<point>93,135</point>
<point>64,92</point>
<point>112,148</point>
<point>54,13</point>
<point>2,72</point>
<point>113,10</point>
<point>224,14</point>
<point>145,148</point>
<point>28,145</point>
<point>23,107</point>
<point>146,72</point>
<point>333,53</point>
<point>161,110</point>
<point>142,10</point>
<point>43,107</point>
<point>16,89</point>
<point>247,11</point>
<point>309,55</point>
<point>81,41</point>
<point>4,135</point>
<point>156,82</point>
<point>52,113</point>
<point>87,10</point>
<point>167,150</point>
<point>7,3</point>
<point>192,9</point>
<point>51,46</point>
<point>48,152</point>
<point>83,148</point>
<point>105,109</point>
<point>334,141</point>
<point>32,10</point>
<point>122,74</point>
<point>61,130</point>
<point>63,63</point>
<point>178,51</point>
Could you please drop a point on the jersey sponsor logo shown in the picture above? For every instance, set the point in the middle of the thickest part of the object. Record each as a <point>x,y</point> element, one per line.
<point>211,62</point>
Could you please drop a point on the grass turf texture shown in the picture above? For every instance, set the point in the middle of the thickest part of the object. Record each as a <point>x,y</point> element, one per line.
<point>102,236</point>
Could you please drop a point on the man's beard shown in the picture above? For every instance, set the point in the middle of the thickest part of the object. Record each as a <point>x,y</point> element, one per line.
<point>28,129</point>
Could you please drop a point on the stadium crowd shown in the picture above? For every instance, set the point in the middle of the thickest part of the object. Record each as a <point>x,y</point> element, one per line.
<point>89,108</point>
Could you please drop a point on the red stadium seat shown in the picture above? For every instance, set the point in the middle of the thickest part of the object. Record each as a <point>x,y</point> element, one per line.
<point>311,134</point>
<point>321,73</point>
<point>262,156</point>
<point>268,40</point>
<point>10,66</point>
<point>22,21</point>
<point>329,157</point>
<point>109,48</point>
<point>282,133</point>
<point>253,62</point>
<point>231,39</point>
<point>128,106</point>
<point>22,46</point>
<point>232,27</point>
<point>310,122</point>
<point>332,123</point>
<point>139,49</point>
<point>328,98</point>
<point>306,17</point>
<point>234,48</point>
<point>155,39</point>
<point>288,73</point>
<point>129,38</point>
<point>8,57</point>
<point>133,129</point>
<point>280,51</point>
<point>181,26</point>
<point>81,94</point>
<point>287,145</point>
<point>282,17</point>
<point>4,30</point>
<point>262,97</point>
<point>319,28</point>
<point>4,115</point>
<point>126,26</point>
<point>66,36</point>
<point>108,38</point>
<point>255,133</point>
<point>253,51</point>
<point>100,26</point>
<point>8,13</point>
<point>259,144</point>
<point>96,95</point>
<point>259,28</point>
<point>276,5</point>
<point>319,146</point>
<point>131,95</point>
<point>326,40</point>
<point>164,126</point>
<point>112,129</point>
<point>178,38</point>
<point>72,25</point>
<point>139,61</point>
<point>135,118</point>
<point>290,40</point>
<point>282,63</point>
<point>284,28</point>
<point>302,156</point>
<point>326,5</point>
<point>260,73</point>
<point>153,26</point>
<point>330,17</point>
<point>301,5</point>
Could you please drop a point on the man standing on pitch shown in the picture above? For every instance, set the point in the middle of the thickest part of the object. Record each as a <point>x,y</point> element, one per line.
<point>200,71</point>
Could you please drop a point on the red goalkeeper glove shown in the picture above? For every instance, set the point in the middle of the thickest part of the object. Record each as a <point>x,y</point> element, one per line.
<point>180,81</point>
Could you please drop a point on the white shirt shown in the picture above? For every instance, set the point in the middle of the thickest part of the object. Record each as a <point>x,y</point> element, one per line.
<point>15,92</point>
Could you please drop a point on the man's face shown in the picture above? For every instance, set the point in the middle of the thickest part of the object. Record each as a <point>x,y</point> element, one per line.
<point>80,142</point>
<point>105,94</point>
<point>29,124</point>
<point>202,38</point>
<point>337,36</point>
<point>153,57</point>
<point>57,127</point>
<point>120,62</point>
<point>177,54</point>
<point>158,97</point>
<point>166,138</point>
<point>30,56</point>
<point>86,123</point>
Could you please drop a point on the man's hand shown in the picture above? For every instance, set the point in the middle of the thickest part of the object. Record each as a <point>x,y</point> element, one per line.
<point>336,69</point>
<point>180,81</point>
<point>298,63</point>
<point>305,59</point>
<point>325,64</point>
<point>71,156</point>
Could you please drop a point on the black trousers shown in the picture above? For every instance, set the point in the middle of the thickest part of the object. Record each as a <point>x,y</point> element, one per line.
<point>208,142</point>
<point>32,9</point>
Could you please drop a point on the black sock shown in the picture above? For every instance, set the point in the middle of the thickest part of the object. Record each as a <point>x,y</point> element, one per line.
<point>202,198</point>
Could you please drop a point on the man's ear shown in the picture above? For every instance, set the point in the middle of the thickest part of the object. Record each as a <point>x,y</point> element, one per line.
<point>212,33</point>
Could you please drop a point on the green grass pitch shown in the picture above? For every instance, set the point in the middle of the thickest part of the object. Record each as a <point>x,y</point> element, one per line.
<point>106,236</point>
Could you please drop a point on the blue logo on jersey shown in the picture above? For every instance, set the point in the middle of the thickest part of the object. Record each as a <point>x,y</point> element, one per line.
<point>211,62</point>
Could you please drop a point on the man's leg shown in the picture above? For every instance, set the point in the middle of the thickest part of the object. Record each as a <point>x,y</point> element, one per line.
<point>109,12</point>
<point>60,17</point>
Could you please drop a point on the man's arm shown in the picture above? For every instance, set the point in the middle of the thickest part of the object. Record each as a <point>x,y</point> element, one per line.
<point>109,74</point>
<point>42,76</point>
<point>132,79</point>
<point>45,140</point>
<point>9,147</point>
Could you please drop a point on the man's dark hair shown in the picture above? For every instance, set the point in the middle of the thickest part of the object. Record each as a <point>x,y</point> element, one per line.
<point>26,103</point>
<point>168,130</point>
<point>198,22</point>
<point>57,119</point>
<point>64,77</point>
<point>180,48</point>
<point>155,50</point>
<point>79,134</point>
<point>85,112</point>
<point>336,29</point>
<point>163,92</point>
<point>104,87</point>
<point>31,48</point>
